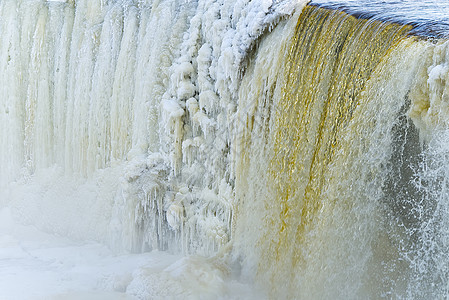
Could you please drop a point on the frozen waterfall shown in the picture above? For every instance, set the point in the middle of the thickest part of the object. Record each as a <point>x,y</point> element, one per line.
<point>301,147</point>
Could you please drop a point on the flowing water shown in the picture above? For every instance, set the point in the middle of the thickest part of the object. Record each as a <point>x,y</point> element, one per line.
<point>303,148</point>
<point>428,17</point>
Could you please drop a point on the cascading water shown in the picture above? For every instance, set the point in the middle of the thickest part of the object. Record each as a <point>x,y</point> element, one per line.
<point>302,147</point>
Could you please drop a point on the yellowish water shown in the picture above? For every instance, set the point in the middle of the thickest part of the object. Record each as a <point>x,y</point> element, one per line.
<point>331,57</point>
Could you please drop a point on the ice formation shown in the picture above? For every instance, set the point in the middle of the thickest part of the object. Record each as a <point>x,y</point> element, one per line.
<point>117,113</point>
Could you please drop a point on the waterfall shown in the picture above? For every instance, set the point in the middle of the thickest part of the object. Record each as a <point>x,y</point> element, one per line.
<point>306,145</point>
<point>335,168</point>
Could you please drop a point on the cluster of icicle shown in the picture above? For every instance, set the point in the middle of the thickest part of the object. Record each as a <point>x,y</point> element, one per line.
<point>121,114</point>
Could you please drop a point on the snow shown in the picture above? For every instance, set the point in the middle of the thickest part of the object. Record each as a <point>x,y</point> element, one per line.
<point>35,265</point>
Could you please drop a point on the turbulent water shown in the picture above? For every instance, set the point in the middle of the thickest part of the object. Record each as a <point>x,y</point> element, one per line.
<point>303,148</point>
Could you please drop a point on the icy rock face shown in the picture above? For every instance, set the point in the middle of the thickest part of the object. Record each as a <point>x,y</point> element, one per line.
<point>122,114</point>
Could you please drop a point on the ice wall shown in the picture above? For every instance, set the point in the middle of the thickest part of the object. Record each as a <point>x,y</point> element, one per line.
<point>117,116</point>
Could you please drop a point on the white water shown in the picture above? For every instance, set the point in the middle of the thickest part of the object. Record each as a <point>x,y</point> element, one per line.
<point>149,125</point>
